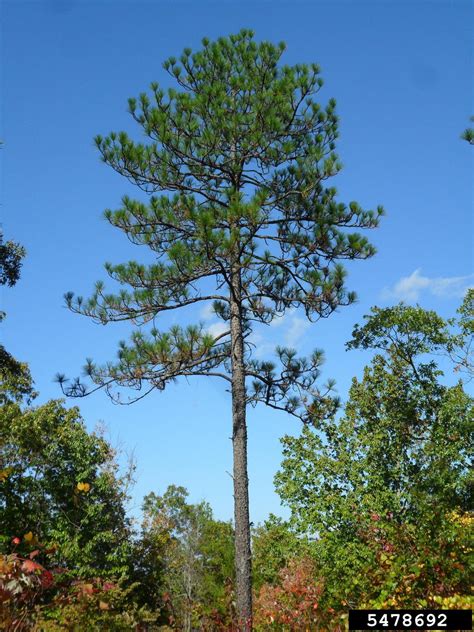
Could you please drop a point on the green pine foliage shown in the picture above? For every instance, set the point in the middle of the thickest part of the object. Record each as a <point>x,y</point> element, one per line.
<point>235,163</point>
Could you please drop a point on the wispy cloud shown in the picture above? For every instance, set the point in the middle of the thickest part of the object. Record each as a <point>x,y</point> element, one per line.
<point>261,345</point>
<point>296,330</point>
<point>409,288</point>
<point>287,330</point>
<point>207,312</point>
<point>216,329</point>
<point>292,326</point>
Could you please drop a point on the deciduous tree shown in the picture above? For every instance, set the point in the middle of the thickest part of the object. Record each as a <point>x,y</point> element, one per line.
<point>15,378</point>
<point>196,557</point>
<point>60,484</point>
<point>387,487</point>
<point>11,259</point>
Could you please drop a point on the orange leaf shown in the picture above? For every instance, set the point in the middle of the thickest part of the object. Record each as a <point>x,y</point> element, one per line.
<point>30,567</point>
<point>87,588</point>
<point>103,605</point>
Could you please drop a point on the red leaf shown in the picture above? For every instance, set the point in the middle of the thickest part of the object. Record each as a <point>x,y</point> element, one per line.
<point>47,579</point>
<point>30,567</point>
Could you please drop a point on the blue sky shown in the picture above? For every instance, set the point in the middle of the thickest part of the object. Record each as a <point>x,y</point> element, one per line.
<point>401,73</point>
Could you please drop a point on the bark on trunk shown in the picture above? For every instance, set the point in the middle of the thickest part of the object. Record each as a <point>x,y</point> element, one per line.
<point>243,559</point>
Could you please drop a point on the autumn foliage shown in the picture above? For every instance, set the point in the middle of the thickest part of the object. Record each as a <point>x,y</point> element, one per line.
<point>294,601</point>
<point>38,596</point>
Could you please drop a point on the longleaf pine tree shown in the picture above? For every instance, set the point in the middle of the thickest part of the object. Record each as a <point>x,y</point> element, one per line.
<point>234,165</point>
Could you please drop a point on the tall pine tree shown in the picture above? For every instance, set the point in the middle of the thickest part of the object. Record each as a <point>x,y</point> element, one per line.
<point>235,164</point>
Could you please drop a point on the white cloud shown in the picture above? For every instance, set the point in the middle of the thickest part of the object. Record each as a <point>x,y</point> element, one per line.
<point>286,330</point>
<point>294,327</point>
<point>409,288</point>
<point>280,320</point>
<point>207,312</point>
<point>296,330</point>
<point>216,329</point>
<point>261,346</point>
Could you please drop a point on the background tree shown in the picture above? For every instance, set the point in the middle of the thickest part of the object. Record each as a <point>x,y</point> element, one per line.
<point>197,558</point>
<point>460,344</point>
<point>293,603</point>
<point>468,134</point>
<point>37,596</point>
<point>274,545</point>
<point>387,487</point>
<point>11,259</point>
<point>16,382</point>
<point>15,378</point>
<point>65,539</point>
<point>241,152</point>
<point>60,485</point>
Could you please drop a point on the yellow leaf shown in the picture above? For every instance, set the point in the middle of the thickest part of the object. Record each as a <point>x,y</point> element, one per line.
<point>4,474</point>
<point>83,487</point>
<point>103,605</point>
<point>29,537</point>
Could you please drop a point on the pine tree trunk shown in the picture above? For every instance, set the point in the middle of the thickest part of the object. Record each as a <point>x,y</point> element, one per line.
<point>243,560</point>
